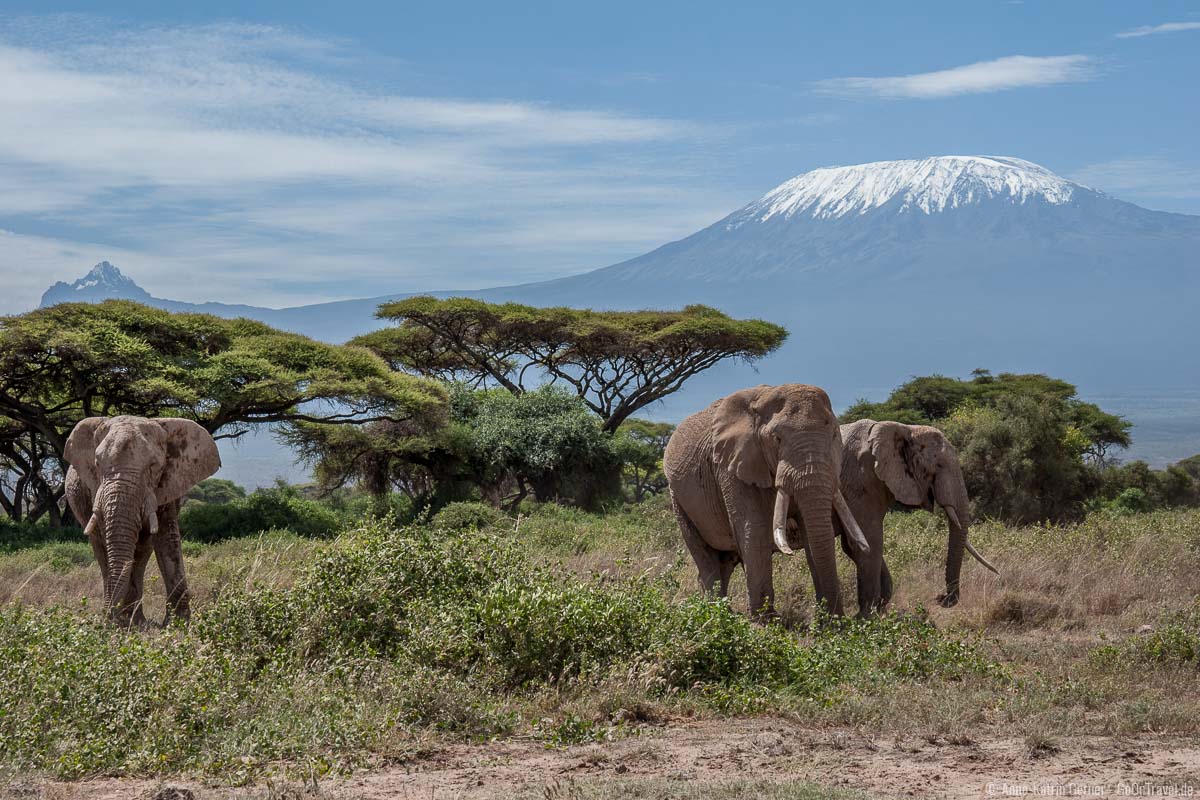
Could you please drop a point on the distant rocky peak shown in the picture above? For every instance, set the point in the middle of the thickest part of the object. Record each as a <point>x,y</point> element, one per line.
<point>103,282</point>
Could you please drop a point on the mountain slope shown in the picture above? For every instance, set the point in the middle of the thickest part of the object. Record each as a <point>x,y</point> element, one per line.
<point>895,268</point>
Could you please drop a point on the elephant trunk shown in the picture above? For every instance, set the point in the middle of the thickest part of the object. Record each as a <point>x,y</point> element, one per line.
<point>954,556</point>
<point>954,503</point>
<point>123,513</point>
<point>813,484</point>
<point>816,508</point>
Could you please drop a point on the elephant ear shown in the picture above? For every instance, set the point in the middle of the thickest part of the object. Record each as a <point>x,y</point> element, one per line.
<point>80,450</point>
<point>191,457</point>
<point>736,444</point>
<point>892,446</point>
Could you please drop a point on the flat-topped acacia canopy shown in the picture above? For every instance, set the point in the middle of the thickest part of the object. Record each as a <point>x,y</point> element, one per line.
<point>616,361</point>
<point>61,364</point>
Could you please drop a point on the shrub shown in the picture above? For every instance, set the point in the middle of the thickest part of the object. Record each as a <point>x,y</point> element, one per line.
<point>1174,642</point>
<point>216,490</point>
<point>467,515</point>
<point>280,507</point>
<point>412,628</point>
<point>19,535</point>
<point>1131,499</point>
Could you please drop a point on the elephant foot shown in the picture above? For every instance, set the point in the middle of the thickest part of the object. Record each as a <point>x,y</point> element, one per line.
<point>948,599</point>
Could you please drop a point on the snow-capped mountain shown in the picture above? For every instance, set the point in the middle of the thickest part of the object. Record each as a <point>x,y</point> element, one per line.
<point>971,218</point>
<point>928,185</point>
<point>890,269</point>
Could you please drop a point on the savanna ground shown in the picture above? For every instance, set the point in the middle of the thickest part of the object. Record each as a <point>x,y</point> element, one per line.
<point>565,655</point>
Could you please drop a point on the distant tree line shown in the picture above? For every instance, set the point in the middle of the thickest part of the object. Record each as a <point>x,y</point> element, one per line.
<point>460,399</point>
<point>61,364</point>
<point>1031,450</point>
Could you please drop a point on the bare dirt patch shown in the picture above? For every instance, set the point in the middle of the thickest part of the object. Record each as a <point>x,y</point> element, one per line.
<point>712,758</point>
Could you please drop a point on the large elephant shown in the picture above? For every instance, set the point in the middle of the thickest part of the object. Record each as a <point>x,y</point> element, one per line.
<point>127,478</point>
<point>913,465</point>
<point>735,470</point>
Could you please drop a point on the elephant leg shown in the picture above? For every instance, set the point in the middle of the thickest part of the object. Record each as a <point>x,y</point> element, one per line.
<point>131,605</point>
<point>885,583</point>
<point>168,551</point>
<point>869,570</point>
<point>869,584</point>
<point>707,558</point>
<point>750,519</point>
<point>100,551</point>
<point>729,562</point>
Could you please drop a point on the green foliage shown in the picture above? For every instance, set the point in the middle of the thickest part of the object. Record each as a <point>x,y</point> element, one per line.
<point>1191,465</point>
<point>495,444</point>
<point>640,445</point>
<point>1137,487</point>
<point>615,361</point>
<point>20,535</point>
<point>1020,461</point>
<point>467,516</point>
<point>278,508</point>
<point>1132,499</point>
<point>216,490</point>
<point>1174,642</point>
<point>418,628</point>
<point>75,360</point>
<point>1030,449</point>
<point>546,437</point>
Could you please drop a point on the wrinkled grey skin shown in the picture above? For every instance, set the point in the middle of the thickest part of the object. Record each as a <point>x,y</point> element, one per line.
<point>913,465</point>
<point>730,465</point>
<point>127,479</point>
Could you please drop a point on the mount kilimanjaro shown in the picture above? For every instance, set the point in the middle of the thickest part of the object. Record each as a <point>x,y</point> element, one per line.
<point>886,270</point>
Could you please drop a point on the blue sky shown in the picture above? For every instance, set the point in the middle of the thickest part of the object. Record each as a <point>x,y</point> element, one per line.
<point>278,153</point>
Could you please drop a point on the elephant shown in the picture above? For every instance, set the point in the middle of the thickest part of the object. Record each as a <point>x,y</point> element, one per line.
<point>913,465</point>
<point>734,471</point>
<point>126,482</point>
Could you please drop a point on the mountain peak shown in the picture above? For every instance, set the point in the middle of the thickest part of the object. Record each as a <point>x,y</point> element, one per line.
<point>103,282</point>
<point>927,185</point>
<point>104,274</point>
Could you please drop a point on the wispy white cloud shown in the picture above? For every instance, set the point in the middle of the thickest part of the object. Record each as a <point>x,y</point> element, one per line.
<point>1166,27</point>
<point>262,156</point>
<point>1143,177</point>
<point>1010,72</point>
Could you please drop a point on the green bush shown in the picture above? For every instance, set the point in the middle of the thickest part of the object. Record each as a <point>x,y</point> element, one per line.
<point>1175,641</point>
<point>267,509</point>
<point>20,535</point>
<point>390,630</point>
<point>216,490</point>
<point>467,515</point>
<point>1132,499</point>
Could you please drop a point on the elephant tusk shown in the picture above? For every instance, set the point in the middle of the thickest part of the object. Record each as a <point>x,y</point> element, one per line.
<point>151,512</point>
<point>779,523</point>
<point>93,523</point>
<point>953,515</point>
<point>954,520</point>
<point>848,521</point>
<point>971,549</point>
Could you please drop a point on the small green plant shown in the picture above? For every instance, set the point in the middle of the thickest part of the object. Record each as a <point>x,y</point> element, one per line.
<point>467,515</point>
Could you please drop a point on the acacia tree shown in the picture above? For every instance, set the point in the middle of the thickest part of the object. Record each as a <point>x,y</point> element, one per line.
<point>641,444</point>
<point>617,362</point>
<point>61,364</point>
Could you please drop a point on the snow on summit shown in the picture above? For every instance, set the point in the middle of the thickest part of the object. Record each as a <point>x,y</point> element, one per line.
<point>927,185</point>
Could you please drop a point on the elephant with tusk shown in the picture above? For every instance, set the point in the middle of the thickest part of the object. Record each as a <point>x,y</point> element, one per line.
<point>740,469</point>
<point>127,479</point>
<point>913,465</point>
